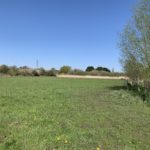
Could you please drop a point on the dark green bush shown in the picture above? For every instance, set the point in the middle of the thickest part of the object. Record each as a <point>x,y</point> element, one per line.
<point>13,71</point>
<point>102,69</point>
<point>36,73</point>
<point>51,73</point>
<point>4,69</point>
<point>140,90</point>
<point>89,68</point>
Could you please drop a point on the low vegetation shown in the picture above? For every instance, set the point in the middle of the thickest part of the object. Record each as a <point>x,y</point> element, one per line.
<point>26,71</point>
<point>71,114</point>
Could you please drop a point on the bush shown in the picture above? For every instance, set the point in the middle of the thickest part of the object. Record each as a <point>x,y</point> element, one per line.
<point>55,71</point>
<point>25,72</point>
<point>98,73</point>
<point>51,73</point>
<point>65,69</point>
<point>41,72</point>
<point>89,68</point>
<point>36,72</point>
<point>77,72</point>
<point>102,69</point>
<point>13,71</point>
<point>139,89</point>
<point>93,73</point>
<point>4,69</point>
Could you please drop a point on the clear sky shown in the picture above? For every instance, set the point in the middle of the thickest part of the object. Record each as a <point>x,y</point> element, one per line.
<point>62,32</point>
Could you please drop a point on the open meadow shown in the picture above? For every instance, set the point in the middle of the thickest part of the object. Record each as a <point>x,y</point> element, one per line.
<point>43,113</point>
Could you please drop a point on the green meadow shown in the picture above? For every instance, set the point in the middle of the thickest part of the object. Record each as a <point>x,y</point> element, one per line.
<point>71,114</point>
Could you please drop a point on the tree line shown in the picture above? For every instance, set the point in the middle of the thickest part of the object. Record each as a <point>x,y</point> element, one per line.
<point>27,71</point>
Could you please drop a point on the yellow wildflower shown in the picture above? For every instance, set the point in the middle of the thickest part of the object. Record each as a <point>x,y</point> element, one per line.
<point>66,142</point>
<point>58,138</point>
<point>98,148</point>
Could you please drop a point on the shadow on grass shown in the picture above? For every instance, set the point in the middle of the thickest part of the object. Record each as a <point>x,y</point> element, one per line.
<point>143,93</point>
<point>118,88</point>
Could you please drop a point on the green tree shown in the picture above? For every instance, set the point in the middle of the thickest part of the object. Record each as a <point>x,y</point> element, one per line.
<point>89,68</point>
<point>65,69</point>
<point>4,69</point>
<point>99,68</point>
<point>102,69</point>
<point>135,42</point>
<point>51,73</point>
<point>13,71</point>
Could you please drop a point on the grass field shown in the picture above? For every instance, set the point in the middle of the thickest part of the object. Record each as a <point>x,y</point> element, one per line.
<point>71,114</point>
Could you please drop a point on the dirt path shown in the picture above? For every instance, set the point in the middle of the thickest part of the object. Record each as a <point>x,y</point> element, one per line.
<point>91,77</point>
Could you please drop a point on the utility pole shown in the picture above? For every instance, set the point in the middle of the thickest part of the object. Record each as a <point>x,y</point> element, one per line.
<point>37,63</point>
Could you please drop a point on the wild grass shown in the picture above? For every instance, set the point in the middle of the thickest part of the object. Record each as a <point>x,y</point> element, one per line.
<point>71,114</point>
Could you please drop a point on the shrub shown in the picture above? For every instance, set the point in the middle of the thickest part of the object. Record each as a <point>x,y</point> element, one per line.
<point>65,69</point>
<point>77,72</point>
<point>51,73</point>
<point>36,72</point>
<point>93,73</point>
<point>25,72</point>
<point>102,69</point>
<point>106,69</point>
<point>4,69</point>
<point>13,71</point>
<point>41,71</point>
<point>89,68</point>
<point>24,67</point>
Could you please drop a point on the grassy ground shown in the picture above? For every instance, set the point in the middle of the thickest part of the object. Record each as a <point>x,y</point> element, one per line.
<point>71,114</point>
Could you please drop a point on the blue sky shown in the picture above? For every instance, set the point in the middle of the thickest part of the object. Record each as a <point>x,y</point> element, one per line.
<point>62,32</point>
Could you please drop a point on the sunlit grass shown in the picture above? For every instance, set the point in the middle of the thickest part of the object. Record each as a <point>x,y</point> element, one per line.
<point>71,114</point>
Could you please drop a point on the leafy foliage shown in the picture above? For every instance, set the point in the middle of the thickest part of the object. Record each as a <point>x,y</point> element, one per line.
<point>65,69</point>
<point>135,43</point>
<point>89,68</point>
<point>102,69</point>
<point>4,69</point>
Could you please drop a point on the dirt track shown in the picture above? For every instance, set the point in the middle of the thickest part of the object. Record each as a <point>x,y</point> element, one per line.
<point>92,77</point>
